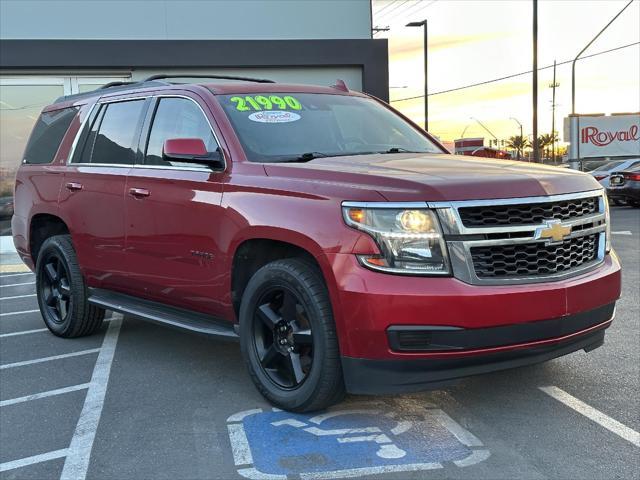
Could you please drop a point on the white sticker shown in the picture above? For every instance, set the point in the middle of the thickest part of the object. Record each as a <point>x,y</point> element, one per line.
<point>274,116</point>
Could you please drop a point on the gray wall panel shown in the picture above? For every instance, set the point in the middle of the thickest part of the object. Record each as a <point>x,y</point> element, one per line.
<point>185,19</point>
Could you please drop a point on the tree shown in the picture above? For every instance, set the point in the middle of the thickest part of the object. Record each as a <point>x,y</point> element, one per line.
<point>518,143</point>
<point>545,141</point>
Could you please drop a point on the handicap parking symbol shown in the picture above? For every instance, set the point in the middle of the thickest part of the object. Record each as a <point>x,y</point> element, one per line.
<point>356,441</point>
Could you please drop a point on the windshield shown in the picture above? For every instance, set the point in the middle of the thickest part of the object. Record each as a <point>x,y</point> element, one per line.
<point>608,166</point>
<point>304,126</point>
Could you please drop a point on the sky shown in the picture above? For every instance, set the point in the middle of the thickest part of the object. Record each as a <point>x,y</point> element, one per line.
<point>472,41</point>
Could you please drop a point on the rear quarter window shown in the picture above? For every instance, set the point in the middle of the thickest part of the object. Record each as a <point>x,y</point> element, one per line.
<point>47,134</point>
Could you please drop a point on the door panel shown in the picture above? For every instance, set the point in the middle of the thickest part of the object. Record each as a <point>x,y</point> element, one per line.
<point>173,214</point>
<point>92,199</point>
<point>93,190</point>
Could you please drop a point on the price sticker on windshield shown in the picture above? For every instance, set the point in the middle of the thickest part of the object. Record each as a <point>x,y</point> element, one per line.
<point>262,102</point>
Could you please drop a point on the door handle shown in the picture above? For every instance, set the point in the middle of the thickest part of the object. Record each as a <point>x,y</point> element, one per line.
<point>139,192</point>
<point>74,186</point>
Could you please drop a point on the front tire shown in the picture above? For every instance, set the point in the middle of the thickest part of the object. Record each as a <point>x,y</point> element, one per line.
<point>288,337</point>
<point>62,293</point>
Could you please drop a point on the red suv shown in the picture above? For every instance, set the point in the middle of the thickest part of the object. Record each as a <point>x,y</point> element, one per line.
<point>343,246</point>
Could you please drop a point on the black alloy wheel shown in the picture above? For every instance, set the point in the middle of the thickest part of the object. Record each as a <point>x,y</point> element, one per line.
<point>63,296</point>
<point>288,336</point>
<point>55,288</point>
<point>282,338</point>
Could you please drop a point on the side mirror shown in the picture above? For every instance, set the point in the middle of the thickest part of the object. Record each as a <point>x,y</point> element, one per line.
<point>191,150</point>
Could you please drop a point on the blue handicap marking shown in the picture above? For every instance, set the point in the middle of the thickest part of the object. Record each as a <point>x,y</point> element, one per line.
<point>355,441</point>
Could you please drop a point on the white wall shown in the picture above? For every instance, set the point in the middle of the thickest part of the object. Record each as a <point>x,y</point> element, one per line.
<point>185,19</point>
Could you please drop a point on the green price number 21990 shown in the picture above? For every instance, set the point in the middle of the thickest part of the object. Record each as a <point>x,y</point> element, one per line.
<point>261,102</point>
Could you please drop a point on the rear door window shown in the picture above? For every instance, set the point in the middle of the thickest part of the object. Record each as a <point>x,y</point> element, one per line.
<point>113,138</point>
<point>47,134</point>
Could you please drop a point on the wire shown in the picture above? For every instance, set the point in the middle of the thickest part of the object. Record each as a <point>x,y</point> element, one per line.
<point>382,9</point>
<point>515,74</point>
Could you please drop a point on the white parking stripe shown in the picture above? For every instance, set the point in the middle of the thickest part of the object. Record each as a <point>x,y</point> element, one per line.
<point>18,296</point>
<point>25,462</point>
<point>18,313</point>
<point>48,393</point>
<point>622,232</point>
<point>18,284</point>
<point>4,275</point>
<point>48,359</point>
<point>77,461</point>
<point>23,332</point>
<point>592,414</point>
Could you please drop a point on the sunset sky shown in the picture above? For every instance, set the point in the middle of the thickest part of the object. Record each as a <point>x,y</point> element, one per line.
<point>472,41</point>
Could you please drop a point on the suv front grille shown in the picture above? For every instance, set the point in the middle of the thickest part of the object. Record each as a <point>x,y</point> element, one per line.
<point>509,215</point>
<point>533,259</point>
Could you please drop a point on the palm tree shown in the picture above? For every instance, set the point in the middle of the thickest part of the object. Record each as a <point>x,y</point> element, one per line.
<point>518,143</point>
<point>546,140</point>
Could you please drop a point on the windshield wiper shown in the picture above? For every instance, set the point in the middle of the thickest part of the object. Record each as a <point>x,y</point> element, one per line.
<point>400,150</point>
<point>306,157</point>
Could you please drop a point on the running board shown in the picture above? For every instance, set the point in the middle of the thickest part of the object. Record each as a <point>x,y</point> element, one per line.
<point>162,314</point>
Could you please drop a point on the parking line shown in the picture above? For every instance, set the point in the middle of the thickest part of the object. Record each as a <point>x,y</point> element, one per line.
<point>25,462</point>
<point>77,462</point>
<point>18,313</point>
<point>48,393</point>
<point>48,359</point>
<point>18,296</point>
<point>622,232</point>
<point>18,284</point>
<point>594,415</point>
<point>23,332</point>
<point>15,274</point>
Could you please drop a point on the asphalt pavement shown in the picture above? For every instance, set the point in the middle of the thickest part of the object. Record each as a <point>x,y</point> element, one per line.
<point>140,401</point>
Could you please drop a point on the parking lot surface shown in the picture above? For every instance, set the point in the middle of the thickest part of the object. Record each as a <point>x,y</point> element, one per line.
<point>143,401</point>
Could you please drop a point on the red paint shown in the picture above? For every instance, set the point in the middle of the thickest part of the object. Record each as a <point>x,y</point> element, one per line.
<point>135,229</point>
<point>184,147</point>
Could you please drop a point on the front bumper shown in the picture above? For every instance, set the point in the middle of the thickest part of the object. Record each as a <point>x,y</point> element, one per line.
<point>368,377</point>
<point>366,304</point>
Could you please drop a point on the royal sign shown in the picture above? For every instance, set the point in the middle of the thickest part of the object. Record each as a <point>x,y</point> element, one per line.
<point>603,135</point>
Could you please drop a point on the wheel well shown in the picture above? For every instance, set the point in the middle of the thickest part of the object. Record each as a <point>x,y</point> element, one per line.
<point>42,227</point>
<point>253,255</point>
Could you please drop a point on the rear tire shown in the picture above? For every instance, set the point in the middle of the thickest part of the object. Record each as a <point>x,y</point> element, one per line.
<point>62,292</point>
<point>288,337</point>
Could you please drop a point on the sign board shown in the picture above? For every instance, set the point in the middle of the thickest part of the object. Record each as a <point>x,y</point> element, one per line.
<point>603,135</point>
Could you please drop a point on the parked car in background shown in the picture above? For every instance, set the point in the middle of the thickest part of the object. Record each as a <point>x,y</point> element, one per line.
<point>603,172</point>
<point>338,242</point>
<point>625,186</point>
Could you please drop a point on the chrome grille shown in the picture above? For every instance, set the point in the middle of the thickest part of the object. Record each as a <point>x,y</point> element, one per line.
<point>524,240</point>
<point>532,259</point>
<point>524,214</point>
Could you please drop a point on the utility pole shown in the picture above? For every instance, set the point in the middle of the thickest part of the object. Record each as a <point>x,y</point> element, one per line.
<point>423,23</point>
<point>553,114</point>
<point>536,153</point>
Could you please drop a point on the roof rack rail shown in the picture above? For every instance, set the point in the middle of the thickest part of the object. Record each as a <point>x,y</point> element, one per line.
<point>221,77</point>
<point>115,84</point>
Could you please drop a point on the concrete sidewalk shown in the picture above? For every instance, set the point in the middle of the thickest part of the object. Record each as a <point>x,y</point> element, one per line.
<point>10,262</point>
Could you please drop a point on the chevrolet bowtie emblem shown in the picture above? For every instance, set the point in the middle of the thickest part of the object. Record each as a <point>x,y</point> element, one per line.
<point>553,230</point>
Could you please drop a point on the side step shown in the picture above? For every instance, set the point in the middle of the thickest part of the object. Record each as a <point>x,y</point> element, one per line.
<point>162,314</point>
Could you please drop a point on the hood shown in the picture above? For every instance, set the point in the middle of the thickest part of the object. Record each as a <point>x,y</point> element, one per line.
<point>438,177</point>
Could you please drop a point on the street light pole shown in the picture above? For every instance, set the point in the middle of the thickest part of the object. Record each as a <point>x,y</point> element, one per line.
<point>536,153</point>
<point>425,48</point>
<point>554,85</point>
<point>573,64</point>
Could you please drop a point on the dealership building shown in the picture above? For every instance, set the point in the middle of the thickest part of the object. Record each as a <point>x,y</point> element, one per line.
<point>58,47</point>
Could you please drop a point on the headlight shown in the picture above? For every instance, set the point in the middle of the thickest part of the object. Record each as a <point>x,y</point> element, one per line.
<point>410,240</point>
<point>607,230</point>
